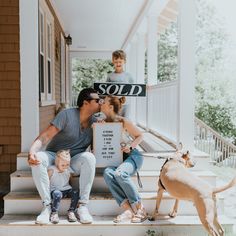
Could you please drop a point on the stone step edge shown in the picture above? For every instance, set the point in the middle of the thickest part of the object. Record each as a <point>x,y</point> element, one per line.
<point>93,196</point>
<point>143,173</point>
<point>29,220</point>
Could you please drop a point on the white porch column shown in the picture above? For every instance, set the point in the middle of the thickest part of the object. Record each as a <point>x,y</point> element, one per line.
<point>140,58</point>
<point>186,64</point>
<point>151,60</point>
<point>152,48</point>
<point>133,72</point>
<point>29,72</point>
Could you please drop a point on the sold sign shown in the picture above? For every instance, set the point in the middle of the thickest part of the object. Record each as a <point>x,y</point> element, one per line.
<point>134,90</point>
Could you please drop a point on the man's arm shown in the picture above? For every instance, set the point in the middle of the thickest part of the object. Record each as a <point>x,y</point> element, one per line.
<point>40,142</point>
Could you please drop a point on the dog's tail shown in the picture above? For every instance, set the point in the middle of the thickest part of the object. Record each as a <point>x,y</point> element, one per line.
<point>227,186</point>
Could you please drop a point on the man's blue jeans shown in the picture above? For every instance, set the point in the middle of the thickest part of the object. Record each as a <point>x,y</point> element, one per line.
<point>83,164</point>
<point>119,180</point>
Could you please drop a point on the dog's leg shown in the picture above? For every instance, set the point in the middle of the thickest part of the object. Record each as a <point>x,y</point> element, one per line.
<point>205,208</point>
<point>173,213</point>
<point>216,222</point>
<point>158,202</point>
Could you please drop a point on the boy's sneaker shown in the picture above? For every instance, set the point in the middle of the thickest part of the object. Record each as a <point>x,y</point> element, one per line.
<point>54,218</point>
<point>84,215</point>
<point>44,216</point>
<point>71,216</point>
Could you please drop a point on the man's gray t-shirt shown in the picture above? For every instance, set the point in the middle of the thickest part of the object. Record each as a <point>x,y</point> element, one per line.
<point>70,135</point>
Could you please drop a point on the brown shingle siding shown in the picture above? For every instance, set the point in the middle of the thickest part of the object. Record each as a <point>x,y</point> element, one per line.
<point>8,3</point>
<point>10,123</point>
<point>9,20</point>
<point>9,47</point>
<point>9,10</point>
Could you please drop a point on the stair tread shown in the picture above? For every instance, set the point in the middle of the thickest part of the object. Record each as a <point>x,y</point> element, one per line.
<point>93,196</point>
<point>29,220</point>
<point>143,173</point>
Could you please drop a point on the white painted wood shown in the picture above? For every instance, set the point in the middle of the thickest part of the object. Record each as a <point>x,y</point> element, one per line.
<point>99,204</point>
<point>22,181</point>
<point>152,49</point>
<point>186,70</point>
<point>29,72</point>
<point>23,225</point>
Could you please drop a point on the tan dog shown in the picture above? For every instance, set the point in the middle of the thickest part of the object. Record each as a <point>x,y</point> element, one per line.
<point>184,185</point>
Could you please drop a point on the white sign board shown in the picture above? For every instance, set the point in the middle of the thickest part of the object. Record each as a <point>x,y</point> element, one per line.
<point>106,144</point>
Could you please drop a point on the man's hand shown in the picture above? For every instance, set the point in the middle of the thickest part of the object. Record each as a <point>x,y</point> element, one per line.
<point>32,160</point>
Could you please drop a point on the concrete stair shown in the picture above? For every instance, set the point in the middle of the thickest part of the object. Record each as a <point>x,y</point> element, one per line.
<point>23,181</point>
<point>22,204</point>
<point>15,225</point>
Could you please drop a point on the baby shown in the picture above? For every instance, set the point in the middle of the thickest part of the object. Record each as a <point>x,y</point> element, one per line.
<point>60,175</point>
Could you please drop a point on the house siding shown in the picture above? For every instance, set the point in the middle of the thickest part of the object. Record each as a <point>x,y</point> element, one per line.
<point>10,98</point>
<point>47,113</point>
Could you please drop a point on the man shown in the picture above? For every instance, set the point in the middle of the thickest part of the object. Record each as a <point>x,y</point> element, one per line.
<point>70,129</point>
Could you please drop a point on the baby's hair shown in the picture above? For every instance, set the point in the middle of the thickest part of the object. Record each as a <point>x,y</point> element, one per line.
<point>116,102</point>
<point>119,54</point>
<point>63,155</point>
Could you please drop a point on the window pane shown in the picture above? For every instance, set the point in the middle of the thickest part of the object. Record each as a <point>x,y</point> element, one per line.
<point>49,77</point>
<point>41,33</point>
<point>41,73</point>
<point>49,40</point>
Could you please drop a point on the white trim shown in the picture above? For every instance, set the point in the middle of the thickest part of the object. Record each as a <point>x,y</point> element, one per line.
<point>48,41</point>
<point>137,23</point>
<point>91,54</point>
<point>186,71</point>
<point>68,78</point>
<point>58,15</point>
<point>29,49</point>
<point>47,103</point>
<point>63,69</point>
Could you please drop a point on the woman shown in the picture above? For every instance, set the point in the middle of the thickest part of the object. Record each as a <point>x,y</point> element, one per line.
<point>118,178</point>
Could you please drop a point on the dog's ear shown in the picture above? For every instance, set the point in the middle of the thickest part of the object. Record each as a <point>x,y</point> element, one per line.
<point>179,146</point>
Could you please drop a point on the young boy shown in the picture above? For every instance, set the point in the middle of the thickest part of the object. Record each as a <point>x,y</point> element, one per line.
<point>59,176</point>
<point>120,76</point>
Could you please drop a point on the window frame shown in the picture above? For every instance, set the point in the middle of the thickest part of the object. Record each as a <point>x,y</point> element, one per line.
<point>47,95</point>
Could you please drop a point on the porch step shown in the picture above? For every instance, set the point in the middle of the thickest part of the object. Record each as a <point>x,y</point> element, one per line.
<point>23,181</point>
<point>23,225</point>
<point>100,204</point>
<point>152,160</point>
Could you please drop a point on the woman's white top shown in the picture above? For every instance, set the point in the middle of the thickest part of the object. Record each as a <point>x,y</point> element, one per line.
<point>60,180</point>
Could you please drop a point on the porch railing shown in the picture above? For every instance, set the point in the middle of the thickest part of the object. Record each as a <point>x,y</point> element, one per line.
<point>221,151</point>
<point>159,110</point>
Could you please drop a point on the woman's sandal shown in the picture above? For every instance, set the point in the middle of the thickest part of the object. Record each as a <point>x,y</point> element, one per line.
<point>126,215</point>
<point>140,216</point>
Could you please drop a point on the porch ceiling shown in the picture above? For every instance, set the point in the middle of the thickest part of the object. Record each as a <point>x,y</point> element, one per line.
<point>98,25</point>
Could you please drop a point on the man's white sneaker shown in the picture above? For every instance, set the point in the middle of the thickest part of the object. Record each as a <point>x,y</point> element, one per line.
<point>84,215</point>
<point>44,216</point>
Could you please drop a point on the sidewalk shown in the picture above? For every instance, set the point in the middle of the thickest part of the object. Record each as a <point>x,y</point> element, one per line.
<point>225,174</point>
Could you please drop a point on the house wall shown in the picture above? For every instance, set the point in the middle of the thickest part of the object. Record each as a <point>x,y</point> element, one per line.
<point>46,113</point>
<point>10,128</point>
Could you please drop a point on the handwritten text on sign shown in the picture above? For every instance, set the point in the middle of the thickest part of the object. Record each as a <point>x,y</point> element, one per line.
<point>106,139</point>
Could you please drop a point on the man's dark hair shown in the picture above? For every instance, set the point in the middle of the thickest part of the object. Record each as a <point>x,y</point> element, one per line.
<point>84,95</point>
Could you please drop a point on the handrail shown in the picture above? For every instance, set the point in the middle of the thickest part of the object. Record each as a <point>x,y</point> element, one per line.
<point>208,140</point>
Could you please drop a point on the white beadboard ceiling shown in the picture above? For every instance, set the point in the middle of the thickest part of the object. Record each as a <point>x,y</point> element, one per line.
<point>98,24</point>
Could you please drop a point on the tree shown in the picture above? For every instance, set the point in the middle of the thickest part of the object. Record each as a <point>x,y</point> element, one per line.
<point>214,105</point>
<point>86,72</point>
<point>167,54</point>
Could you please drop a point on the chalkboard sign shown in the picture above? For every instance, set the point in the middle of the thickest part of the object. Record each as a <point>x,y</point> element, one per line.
<point>132,90</point>
<point>106,144</point>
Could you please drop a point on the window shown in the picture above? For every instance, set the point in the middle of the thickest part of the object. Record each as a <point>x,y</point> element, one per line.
<point>46,70</point>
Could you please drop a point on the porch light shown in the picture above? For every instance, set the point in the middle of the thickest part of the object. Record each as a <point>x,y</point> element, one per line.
<point>68,39</point>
